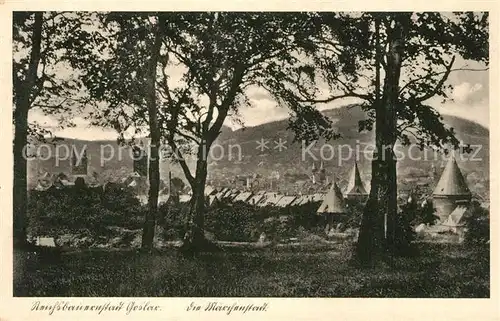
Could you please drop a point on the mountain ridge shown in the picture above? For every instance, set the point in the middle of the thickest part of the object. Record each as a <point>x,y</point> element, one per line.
<point>289,163</point>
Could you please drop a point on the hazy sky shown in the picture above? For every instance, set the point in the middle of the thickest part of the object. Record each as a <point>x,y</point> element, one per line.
<point>470,96</point>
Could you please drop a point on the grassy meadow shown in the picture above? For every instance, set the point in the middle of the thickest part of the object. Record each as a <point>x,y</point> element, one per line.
<point>440,271</point>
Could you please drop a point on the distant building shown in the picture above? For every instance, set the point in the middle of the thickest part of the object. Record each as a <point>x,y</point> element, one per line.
<point>333,202</point>
<point>450,191</point>
<point>79,163</point>
<point>243,197</point>
<point>313,171</point>
<point>456,221</point>
<point>140,158</point>
<point>286,201</point>
<point>333,208</point>
<point>322,174</point>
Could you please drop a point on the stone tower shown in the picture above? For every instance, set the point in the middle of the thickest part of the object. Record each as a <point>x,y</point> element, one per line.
<point>450,190</point>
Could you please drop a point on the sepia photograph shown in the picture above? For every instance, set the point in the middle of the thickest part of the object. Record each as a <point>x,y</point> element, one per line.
<point>235,154</point>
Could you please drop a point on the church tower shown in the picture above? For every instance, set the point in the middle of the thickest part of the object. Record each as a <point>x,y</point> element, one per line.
<point>356,190</point>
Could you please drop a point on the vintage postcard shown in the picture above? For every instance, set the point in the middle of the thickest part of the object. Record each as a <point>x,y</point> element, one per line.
<point>299,161</point>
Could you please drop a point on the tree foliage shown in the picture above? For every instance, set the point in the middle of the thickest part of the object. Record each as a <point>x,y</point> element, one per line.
<point>40,52</point>
<point>342,53</point>
<point>207,63</point>
<point>57,89</point>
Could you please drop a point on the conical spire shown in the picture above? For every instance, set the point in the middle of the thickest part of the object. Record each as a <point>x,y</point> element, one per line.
<point>452,182</point>
<point>333,201</point>
<point>355,183</point>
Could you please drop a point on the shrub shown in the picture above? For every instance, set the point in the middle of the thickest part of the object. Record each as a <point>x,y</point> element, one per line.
<point>173,219</point>
<point>236,222</point>
<point>416,215</point>
<point>478,225</point>
<point>305,216</point>
<point>405,235</point>
<point>74,209</point>
<point>426,214</point>
<point>354,214</point>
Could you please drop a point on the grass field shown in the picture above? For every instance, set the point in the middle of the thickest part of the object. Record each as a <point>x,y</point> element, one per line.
<point>445,271</point>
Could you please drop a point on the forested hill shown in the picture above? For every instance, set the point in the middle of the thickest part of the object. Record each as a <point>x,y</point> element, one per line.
<point>290,162</point>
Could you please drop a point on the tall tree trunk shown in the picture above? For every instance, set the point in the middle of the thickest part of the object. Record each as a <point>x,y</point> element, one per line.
<point>371,233</point>
<point>379,224</point>
<point>154,162</point>
<point>23,102</point>
<point>195,229</point>
<point>389,134</point>
<point>20,177</point>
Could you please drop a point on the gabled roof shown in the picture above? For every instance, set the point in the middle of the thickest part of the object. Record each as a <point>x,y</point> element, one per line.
<point>231,195</point>
<point>304,199</point>
<point>227,194</point>
<point>452,182</point>
<point>356,186</point>
<point>333,201</point>
<point>297,200</point>
<point>256,198</point>
<point>269,199</point>
<point>209,190</point>
<point>222,192</point>
<point>211,199</point>
<point>274,199</point>
<point>317,197</point>
<point>457,217</point>
<point>242,197</point>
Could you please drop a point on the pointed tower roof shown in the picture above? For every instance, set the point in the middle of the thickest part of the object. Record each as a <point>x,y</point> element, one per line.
<point>355,183</point>
<point>452,182</point>
<point>333,201</point>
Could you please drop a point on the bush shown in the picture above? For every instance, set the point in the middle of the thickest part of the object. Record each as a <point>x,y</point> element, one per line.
<point>173,219</point>
<point>304,216</point>
<point>354,214</point>
<point>236,222</point>
<point>69,210</point>
<point>405,235</point>
<point>416,215</point>
<point>478,225</point>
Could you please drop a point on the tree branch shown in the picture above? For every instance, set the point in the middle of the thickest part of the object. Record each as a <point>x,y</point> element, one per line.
<point>335,97</point>
<point>438,73</point>
<point>186,136</point>
<point>439,84</point>
<point>238,74</point>
<point>193,70</point>
<point>181,160</point>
